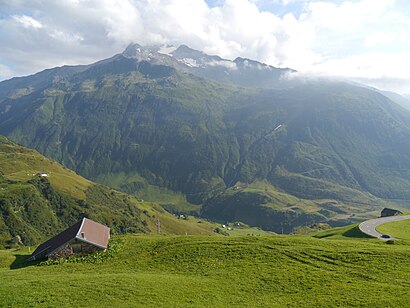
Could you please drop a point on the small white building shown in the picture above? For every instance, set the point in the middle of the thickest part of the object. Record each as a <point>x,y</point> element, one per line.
<point>41,174</point>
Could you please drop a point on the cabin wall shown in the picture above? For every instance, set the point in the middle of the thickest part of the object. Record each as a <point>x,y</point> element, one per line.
<point>72,249</point>
<point>63,252</point>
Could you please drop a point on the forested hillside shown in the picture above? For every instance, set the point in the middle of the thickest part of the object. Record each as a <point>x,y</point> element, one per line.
<point>34,208</point>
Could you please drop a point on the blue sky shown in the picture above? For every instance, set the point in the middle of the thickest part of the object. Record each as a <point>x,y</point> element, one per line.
<point>364,40</point>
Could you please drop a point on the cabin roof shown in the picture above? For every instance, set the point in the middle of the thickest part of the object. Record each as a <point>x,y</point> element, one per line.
<point>84,230</point>
<point>386,209</point>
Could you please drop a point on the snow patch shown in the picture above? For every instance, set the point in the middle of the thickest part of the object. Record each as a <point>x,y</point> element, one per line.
<point>189,62</point>
<point>279,126</point>
<point>167,50</point>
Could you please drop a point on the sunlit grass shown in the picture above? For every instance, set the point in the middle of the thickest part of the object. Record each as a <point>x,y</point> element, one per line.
<point>275,271</point>
<point>397,229</point>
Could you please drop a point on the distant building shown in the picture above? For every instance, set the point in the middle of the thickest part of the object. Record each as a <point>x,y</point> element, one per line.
<point>82,237</point>
<point>41,174</point>
<point>390,212</point>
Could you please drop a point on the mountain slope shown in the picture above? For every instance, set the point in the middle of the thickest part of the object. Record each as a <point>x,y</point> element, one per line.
<point>33,208</point>
<point>153,119</point>
<point>241,71</point>
<point>398,99</point>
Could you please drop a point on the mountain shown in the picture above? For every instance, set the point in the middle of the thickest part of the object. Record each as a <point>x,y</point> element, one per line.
<point>22,86</point>
<point>241,71</point>
<point>151,117</point>
<point>35,207</point>
<point>398,99</point>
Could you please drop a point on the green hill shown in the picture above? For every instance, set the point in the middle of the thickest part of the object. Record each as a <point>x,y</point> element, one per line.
<point>346,232</point>
<point>261,204</point>
<point>398,229</point>
<point>276,271</point>
<point>143,120</point>
<point>35,208</point>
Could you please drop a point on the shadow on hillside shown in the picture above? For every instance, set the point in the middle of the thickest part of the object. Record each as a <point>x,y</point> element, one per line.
<point>355,233</point>
<point>21,261</point>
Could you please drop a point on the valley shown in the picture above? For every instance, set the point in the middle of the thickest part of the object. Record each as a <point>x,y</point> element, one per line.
<point>148,124</point>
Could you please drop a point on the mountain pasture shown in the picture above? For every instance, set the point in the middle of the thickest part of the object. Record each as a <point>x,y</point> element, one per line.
<point>274,271</point>
<point>397,229</point>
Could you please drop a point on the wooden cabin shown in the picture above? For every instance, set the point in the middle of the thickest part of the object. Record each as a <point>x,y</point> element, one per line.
<point>82,237</point>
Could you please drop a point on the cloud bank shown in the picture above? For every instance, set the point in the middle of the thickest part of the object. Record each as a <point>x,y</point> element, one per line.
<point>365,40</point>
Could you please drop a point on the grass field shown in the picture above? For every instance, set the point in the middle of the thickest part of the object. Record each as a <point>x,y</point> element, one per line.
<point>189,271</point>
<point>399,229</point>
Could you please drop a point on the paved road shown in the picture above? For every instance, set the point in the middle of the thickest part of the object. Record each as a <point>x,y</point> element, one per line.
<point>369,226</point>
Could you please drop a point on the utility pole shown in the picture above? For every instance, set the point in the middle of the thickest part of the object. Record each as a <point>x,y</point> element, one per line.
<point>158,224</point>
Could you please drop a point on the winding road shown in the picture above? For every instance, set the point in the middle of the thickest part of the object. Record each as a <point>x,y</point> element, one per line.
<point>369,226</point>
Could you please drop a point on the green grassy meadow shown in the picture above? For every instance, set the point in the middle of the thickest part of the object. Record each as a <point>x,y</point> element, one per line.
<point>398,229</point>
<point>211,271</point>
<point>341,233</point>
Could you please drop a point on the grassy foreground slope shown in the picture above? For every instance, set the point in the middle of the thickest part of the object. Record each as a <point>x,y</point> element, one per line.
<point>276,271</point>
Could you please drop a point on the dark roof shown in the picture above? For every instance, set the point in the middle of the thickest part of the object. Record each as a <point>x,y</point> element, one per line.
<point>388,210</point>
<point>84,230</point>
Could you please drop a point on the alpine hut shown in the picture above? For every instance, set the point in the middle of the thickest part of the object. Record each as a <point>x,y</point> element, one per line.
<point>386,212</point>
<point>82,237</point>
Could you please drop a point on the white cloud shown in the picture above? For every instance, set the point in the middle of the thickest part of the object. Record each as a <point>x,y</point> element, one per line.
<point>227,64</point>
<point>122,20</point>
<point>27,21</point>
<point>380,38</point>
<point>283,2</point>
<point>363,39</point>
<point>5,72</point>
<point>65,37</point>
<point>347,16</point>
<point>286,2</point>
